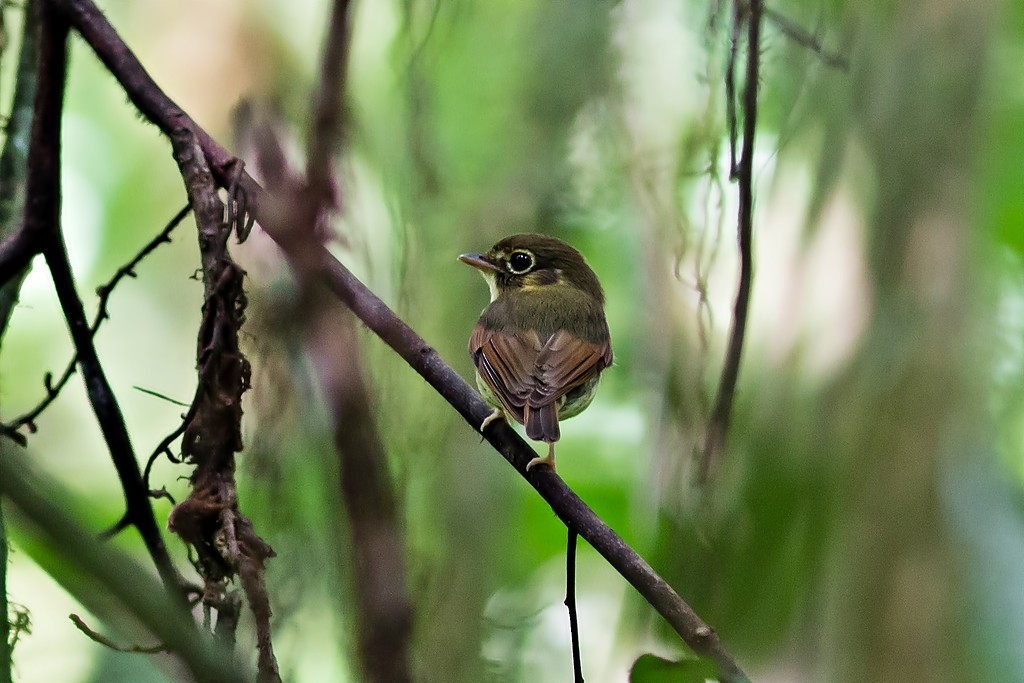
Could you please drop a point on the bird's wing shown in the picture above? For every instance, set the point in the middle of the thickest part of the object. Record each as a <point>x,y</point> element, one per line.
<point>505,361</point>
<point>523,372</point>
<point>564,363</point>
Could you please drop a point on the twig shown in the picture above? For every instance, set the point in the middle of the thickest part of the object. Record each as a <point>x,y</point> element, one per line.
<point>42,218</point>
<point>107,642</point>
<point>102,313</point>
<point>162,397</point>
<point>570,603</point>
<point>14,435</point>
<point>155,106</point>
<point>718,423</point>
<point>164,447</point>
<point>804,38</point>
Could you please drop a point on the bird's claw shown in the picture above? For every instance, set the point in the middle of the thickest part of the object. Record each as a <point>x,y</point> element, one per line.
<point>496,414</point>
<point>548,460</point>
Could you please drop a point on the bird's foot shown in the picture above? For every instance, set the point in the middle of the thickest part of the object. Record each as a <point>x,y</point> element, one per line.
<point>496,414</point>
<point>548,460</point>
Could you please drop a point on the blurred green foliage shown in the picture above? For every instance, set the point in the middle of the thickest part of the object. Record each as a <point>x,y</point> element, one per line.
<point>868,522</point>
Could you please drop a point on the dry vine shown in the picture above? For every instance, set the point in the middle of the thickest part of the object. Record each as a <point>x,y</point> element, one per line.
<point>209,518</point>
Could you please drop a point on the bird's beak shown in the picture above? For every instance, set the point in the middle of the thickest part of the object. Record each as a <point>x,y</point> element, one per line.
<point>480,262</point>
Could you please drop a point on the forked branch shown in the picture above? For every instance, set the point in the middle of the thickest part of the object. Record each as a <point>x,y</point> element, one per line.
<point>42,225</point>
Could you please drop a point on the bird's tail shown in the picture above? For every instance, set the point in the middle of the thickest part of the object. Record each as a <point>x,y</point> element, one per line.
<point>542,423</point>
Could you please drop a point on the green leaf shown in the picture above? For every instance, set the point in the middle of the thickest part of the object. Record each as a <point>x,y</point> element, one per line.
<point>653,669</point>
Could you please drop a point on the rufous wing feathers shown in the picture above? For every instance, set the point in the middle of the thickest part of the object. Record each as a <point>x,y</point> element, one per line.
<point>529,377</point>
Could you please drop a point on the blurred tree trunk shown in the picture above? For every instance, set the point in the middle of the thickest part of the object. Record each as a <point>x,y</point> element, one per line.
<point>898,415</point>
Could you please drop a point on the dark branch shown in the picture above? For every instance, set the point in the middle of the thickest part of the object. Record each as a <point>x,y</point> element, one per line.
<point>42,218</point>
<point>376,550</point>
<point>721,413</point>
<point>570,604</point>
<point>158,108</point>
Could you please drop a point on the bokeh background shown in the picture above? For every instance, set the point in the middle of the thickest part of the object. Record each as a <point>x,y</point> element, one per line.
<point>867,522</point>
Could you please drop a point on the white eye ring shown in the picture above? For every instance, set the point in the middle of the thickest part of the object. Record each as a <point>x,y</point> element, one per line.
<point>517,264</point>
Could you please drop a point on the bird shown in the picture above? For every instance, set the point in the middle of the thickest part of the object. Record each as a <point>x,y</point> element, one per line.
<point>542,342</point>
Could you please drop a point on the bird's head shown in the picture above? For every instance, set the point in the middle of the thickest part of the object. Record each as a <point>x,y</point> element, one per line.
<point>531,262</point>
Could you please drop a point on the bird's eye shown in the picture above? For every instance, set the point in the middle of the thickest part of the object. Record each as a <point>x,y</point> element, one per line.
<point>520,262</point>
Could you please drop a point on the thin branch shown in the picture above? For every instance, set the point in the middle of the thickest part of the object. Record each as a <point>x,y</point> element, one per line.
<point>160,110</point>
<point>718,423</point>
<point>804,38</point>
<point>42,218</point>
<point>162,397</point>
<point>164,447</point>
<point>102,313</point>
<point>570,604</point>
<point>108,643</point>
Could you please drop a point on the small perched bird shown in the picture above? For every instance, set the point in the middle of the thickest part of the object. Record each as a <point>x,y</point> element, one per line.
<point>541,344</point>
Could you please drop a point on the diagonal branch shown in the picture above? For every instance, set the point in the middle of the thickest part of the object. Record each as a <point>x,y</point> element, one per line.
<point>160,110</point>
<point>42,222</point>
